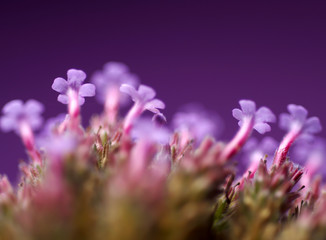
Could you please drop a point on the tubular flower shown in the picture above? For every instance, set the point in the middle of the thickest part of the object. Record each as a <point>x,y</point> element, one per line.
<point>108,82</point>
<point>298,126</point>
<point>73,92</point>
<point>249,119</point>
<point>23,119</point>
<point>143,100</point>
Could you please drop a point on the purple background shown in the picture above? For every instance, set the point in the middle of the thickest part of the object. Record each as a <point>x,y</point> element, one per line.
<point>215,53</point>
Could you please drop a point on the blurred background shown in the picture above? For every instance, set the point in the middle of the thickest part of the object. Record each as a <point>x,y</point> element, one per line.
<point>212,52</point>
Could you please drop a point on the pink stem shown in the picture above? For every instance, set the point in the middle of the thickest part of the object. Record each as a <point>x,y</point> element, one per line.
<point>112,104</point>
<point>283,149</point>
<point>239,139</point>
<point>74,109</point>
<point>132,115</point>
<point>27,136</point>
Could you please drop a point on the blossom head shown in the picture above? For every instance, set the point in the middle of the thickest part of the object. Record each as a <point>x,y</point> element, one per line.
<point>144,96</point>
<point>114,74</point>
<point>297,121</point>
<point>261,117</point>
<point>255,150</point>
<point>74,82</point>
<point>197,122</point>
<point>16,113</point>
<point>146,129</point>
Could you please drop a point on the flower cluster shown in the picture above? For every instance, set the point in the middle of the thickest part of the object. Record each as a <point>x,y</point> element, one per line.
<point>134,177</point>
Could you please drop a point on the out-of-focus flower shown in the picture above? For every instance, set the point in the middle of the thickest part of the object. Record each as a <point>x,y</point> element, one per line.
<point>311,155</point>
<point>17,114</point>
<point>144,99</point>
<point>249,119</point>
<point>108,83</point>
<point>74,82</point>
<point>113,75</point>
<point>254,151</point>
<point>298,126</point>
<point>52,123</point>
<point>57,146</point>
<point>23,119</point>
<point>145,129</point>
<point>196,123</point>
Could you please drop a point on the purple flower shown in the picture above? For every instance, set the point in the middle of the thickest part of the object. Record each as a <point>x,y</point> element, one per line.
<point>51,124</point>
<point>58,145</point>
<point>255,150</point>
<point>74,82</point>
<point>144,96</point>
<point>198,122</point>
<point>305,150</point>
<point>17,113</point>
<point>297,121</point>
<point>261,117</point>
<point>114,74</point>
<point>146,129</point>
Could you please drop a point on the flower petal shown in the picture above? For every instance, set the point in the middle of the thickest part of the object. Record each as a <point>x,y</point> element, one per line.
<point>146,93</point>
<point>130,90</point>
<point>312,125</point>
<point>8,123</point>
<point>237,114</point>
<point>285,121</point>
<point>33,106</point>
<point>264,114</point>
<point>156,103</point>
<point>298,112</point>
<point>87,90</point>
<point>76,77</point>
<point>60,85</point>
<point>248,107</point>
<point>63,99</point>
<point>115,68</point>
<point>13,107</point>
<point>81,100</point>
<point>262,127</point>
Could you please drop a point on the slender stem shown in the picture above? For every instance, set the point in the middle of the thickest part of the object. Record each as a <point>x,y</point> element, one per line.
<point>239,139</point>
<point>112,104</point>
<point>74,109</point>
<point>132,115</point>
<point>27,136</point>
<point>283,149</point>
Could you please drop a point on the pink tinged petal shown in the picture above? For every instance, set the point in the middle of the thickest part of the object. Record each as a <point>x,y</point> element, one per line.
<point>87,90</point>
<point>60,85</point>
<point>35,122</point>
<point>115,68</point>
<point>8,124</point>
<point>298,112</point>
<point>285,121</point>
<point>33,106</point>
<point>237,114</point>
<point>130,90</point>
<point>13,107</point>
<point>76,76</point>
<point>146,93</point>
<point>268,145</point>
<point>248,107</point>
<point>81,100</point>
<point>262,127</point>
<point>264,114</point>
<point>154,104</point>
<point>312,125</point>
<point>63,99</point>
